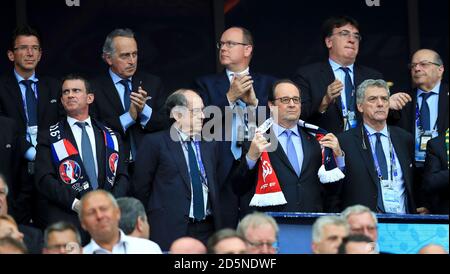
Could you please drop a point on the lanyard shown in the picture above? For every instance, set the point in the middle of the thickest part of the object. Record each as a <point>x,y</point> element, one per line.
<point>394,172</point>
<point>198,158</point>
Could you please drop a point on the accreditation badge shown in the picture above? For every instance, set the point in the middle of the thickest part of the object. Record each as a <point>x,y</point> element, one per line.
<point>424,138</point>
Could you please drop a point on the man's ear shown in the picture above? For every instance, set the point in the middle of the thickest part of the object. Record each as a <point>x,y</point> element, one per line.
<point>360,108</point>
<point>91,98</point>
<point>328,42</point>
<point>10,55</point>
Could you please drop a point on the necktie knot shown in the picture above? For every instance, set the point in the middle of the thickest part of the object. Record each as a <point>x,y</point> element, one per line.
<point>82,125</point>
<point>426,95</point>
<point>288,133</point>
<point>378,135</point>
<point>125,82</point>
<point>345,69</point>
<point>27,83</point>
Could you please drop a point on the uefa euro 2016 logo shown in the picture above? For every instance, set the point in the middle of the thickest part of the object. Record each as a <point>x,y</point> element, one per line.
<point>69,171</point>
<point>113,159</point>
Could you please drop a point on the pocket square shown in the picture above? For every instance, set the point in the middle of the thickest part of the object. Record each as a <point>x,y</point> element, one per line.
<point>53,101</point>
<point>8,145</point>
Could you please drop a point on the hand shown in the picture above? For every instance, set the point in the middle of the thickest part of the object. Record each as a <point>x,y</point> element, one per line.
<point>133,111</point>
<point>77,207</point>
<point>250,97</point>
<point>331,141</point>
<point>422,210</point>
<point>399,100</point>
<point>333,91</point>
<point>138,99</point>
<point>239,86</point>
<point>258,145</point>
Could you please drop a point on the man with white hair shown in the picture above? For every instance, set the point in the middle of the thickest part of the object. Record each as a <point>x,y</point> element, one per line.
<point>260,231</point>
<point>328,232</point>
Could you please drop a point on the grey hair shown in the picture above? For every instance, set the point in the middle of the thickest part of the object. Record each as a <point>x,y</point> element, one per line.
<point>3,179</point>
<point>255,220</point>
<point>108,46</point>
<point>361,92</point>
<point>99,191</point>
<point>177,99</point>
<point>59,227</point>
<point>130,210</point>
<point>358,209</point>
<point>320,223</point>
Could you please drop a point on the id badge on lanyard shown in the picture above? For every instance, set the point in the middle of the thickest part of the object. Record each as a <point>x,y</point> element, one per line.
<point>32,133</point>
<point>391,197</point>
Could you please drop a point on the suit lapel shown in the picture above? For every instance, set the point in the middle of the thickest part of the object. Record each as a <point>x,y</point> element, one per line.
<point>222,85</point>
<point>208,164</point>
<point>306,139</point>
<point>178,156</point>
<point>401,153</point>
<point>328,77</point>
<point>100,149</point>
<point>15,93</point>
<point>366,152</point>
<point>112,94</point>
<point>442,120</point>
<point>43,96</point>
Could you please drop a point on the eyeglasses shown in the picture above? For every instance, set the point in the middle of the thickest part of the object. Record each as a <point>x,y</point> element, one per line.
<point>286,100</point>
<point>360,230</point>
<point>423,64</point>
<point>128,56</point>
<point>229,44</point>
<point>258,245</point>
<point>346,34</point>
<point>25,48</point>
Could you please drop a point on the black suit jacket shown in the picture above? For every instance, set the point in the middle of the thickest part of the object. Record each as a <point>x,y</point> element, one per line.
<point>162,183</point>
<point>435,179</point>
<point>406,118</point>
<point>303,194</point>
<point>60,197</point>
<point>213,90</point>
<point>33,239</point>
<point>313,81</point>
<point>360,183</point>
<point>107,106</point>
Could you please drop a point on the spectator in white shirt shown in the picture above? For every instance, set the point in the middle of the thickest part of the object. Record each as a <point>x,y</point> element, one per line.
<point>100,215</point>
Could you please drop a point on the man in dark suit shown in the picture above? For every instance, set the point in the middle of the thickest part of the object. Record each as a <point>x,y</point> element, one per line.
<point>129,102</point>
<point>295,156</point>
<point>77,155</point>
<point>425,121</point>
<point>176,178</point>
<point>379,166</point>
<point>435,179</point>
<point>235,89</point>
<point>32,101</point>
<point>328,88</point>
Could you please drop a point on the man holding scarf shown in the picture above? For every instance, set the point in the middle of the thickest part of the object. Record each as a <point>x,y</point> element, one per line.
<point>77,155</point>
<point>294,159</point>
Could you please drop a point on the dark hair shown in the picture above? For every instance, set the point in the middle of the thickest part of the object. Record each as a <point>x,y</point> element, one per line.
<point>74,76</point>
<point>130,210</point>
<point>279,82</point>
<point>23,31</point>
<point>60,227</point>
<point>337,22</point>
<point>356,238</point>
<point>220,235</point>
<point>11,242</point>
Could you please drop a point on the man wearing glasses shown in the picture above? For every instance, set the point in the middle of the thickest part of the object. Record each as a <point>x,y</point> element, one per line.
<point>427,116</point>
<point>260,232</point>
<point>238,90</point>
<point>32,101</point>
<point>329,87</point>
<point>295,156</point>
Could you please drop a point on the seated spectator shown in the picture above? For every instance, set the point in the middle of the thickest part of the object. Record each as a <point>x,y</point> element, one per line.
<point>62,238</point>
<point>362,220</point>
<point>133,219</point>
<point>260,232</point>
<point>8,228</point>
<point>357,244</point>
<point>432,249</point>
<point>100,215</point>
<point>328,232</point>
<point>187,245</point>
<point>226,241</point>
<point>9,245</point>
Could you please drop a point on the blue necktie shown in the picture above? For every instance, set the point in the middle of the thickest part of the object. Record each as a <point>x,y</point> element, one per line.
<point>425,112</point>
<point>383,167</point>
<point>349,90</point>
<point>291,153</point>
<point>126,95</point>
<point>88,156</point>
<point>237,128</point>
<point>31,102</point>
<point>197,188</point>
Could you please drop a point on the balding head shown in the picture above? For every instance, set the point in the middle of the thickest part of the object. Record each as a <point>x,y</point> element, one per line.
<point>432,249</point>
<point>187,245</point>
<point>427,69</point>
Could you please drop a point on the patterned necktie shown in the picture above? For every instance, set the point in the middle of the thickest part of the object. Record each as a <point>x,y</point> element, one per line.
<point>126,95</point>
<point>197,188</point>
<point>425,111</point>
<point>383,167</point>
<point>238,129</point>
<point>31,102</point>
<point>350,100</point>
<point>291,153</point>
<point>88,156</point>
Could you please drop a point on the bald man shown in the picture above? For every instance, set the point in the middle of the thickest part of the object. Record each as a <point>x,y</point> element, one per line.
<point>187,245</point>
<point>432,249</point>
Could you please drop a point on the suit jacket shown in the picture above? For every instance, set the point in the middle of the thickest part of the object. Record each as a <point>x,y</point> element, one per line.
<point>313,81</point>
<point>33,239</point>
<point>435,179</point>
<point>162,183</point>
<point>59,197</point>
<point>360,183</point>
<point>213,90</point>
<point>107,106</point>
<point>406,118</point>
<point>9,158</point>
<point>303,194</point>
